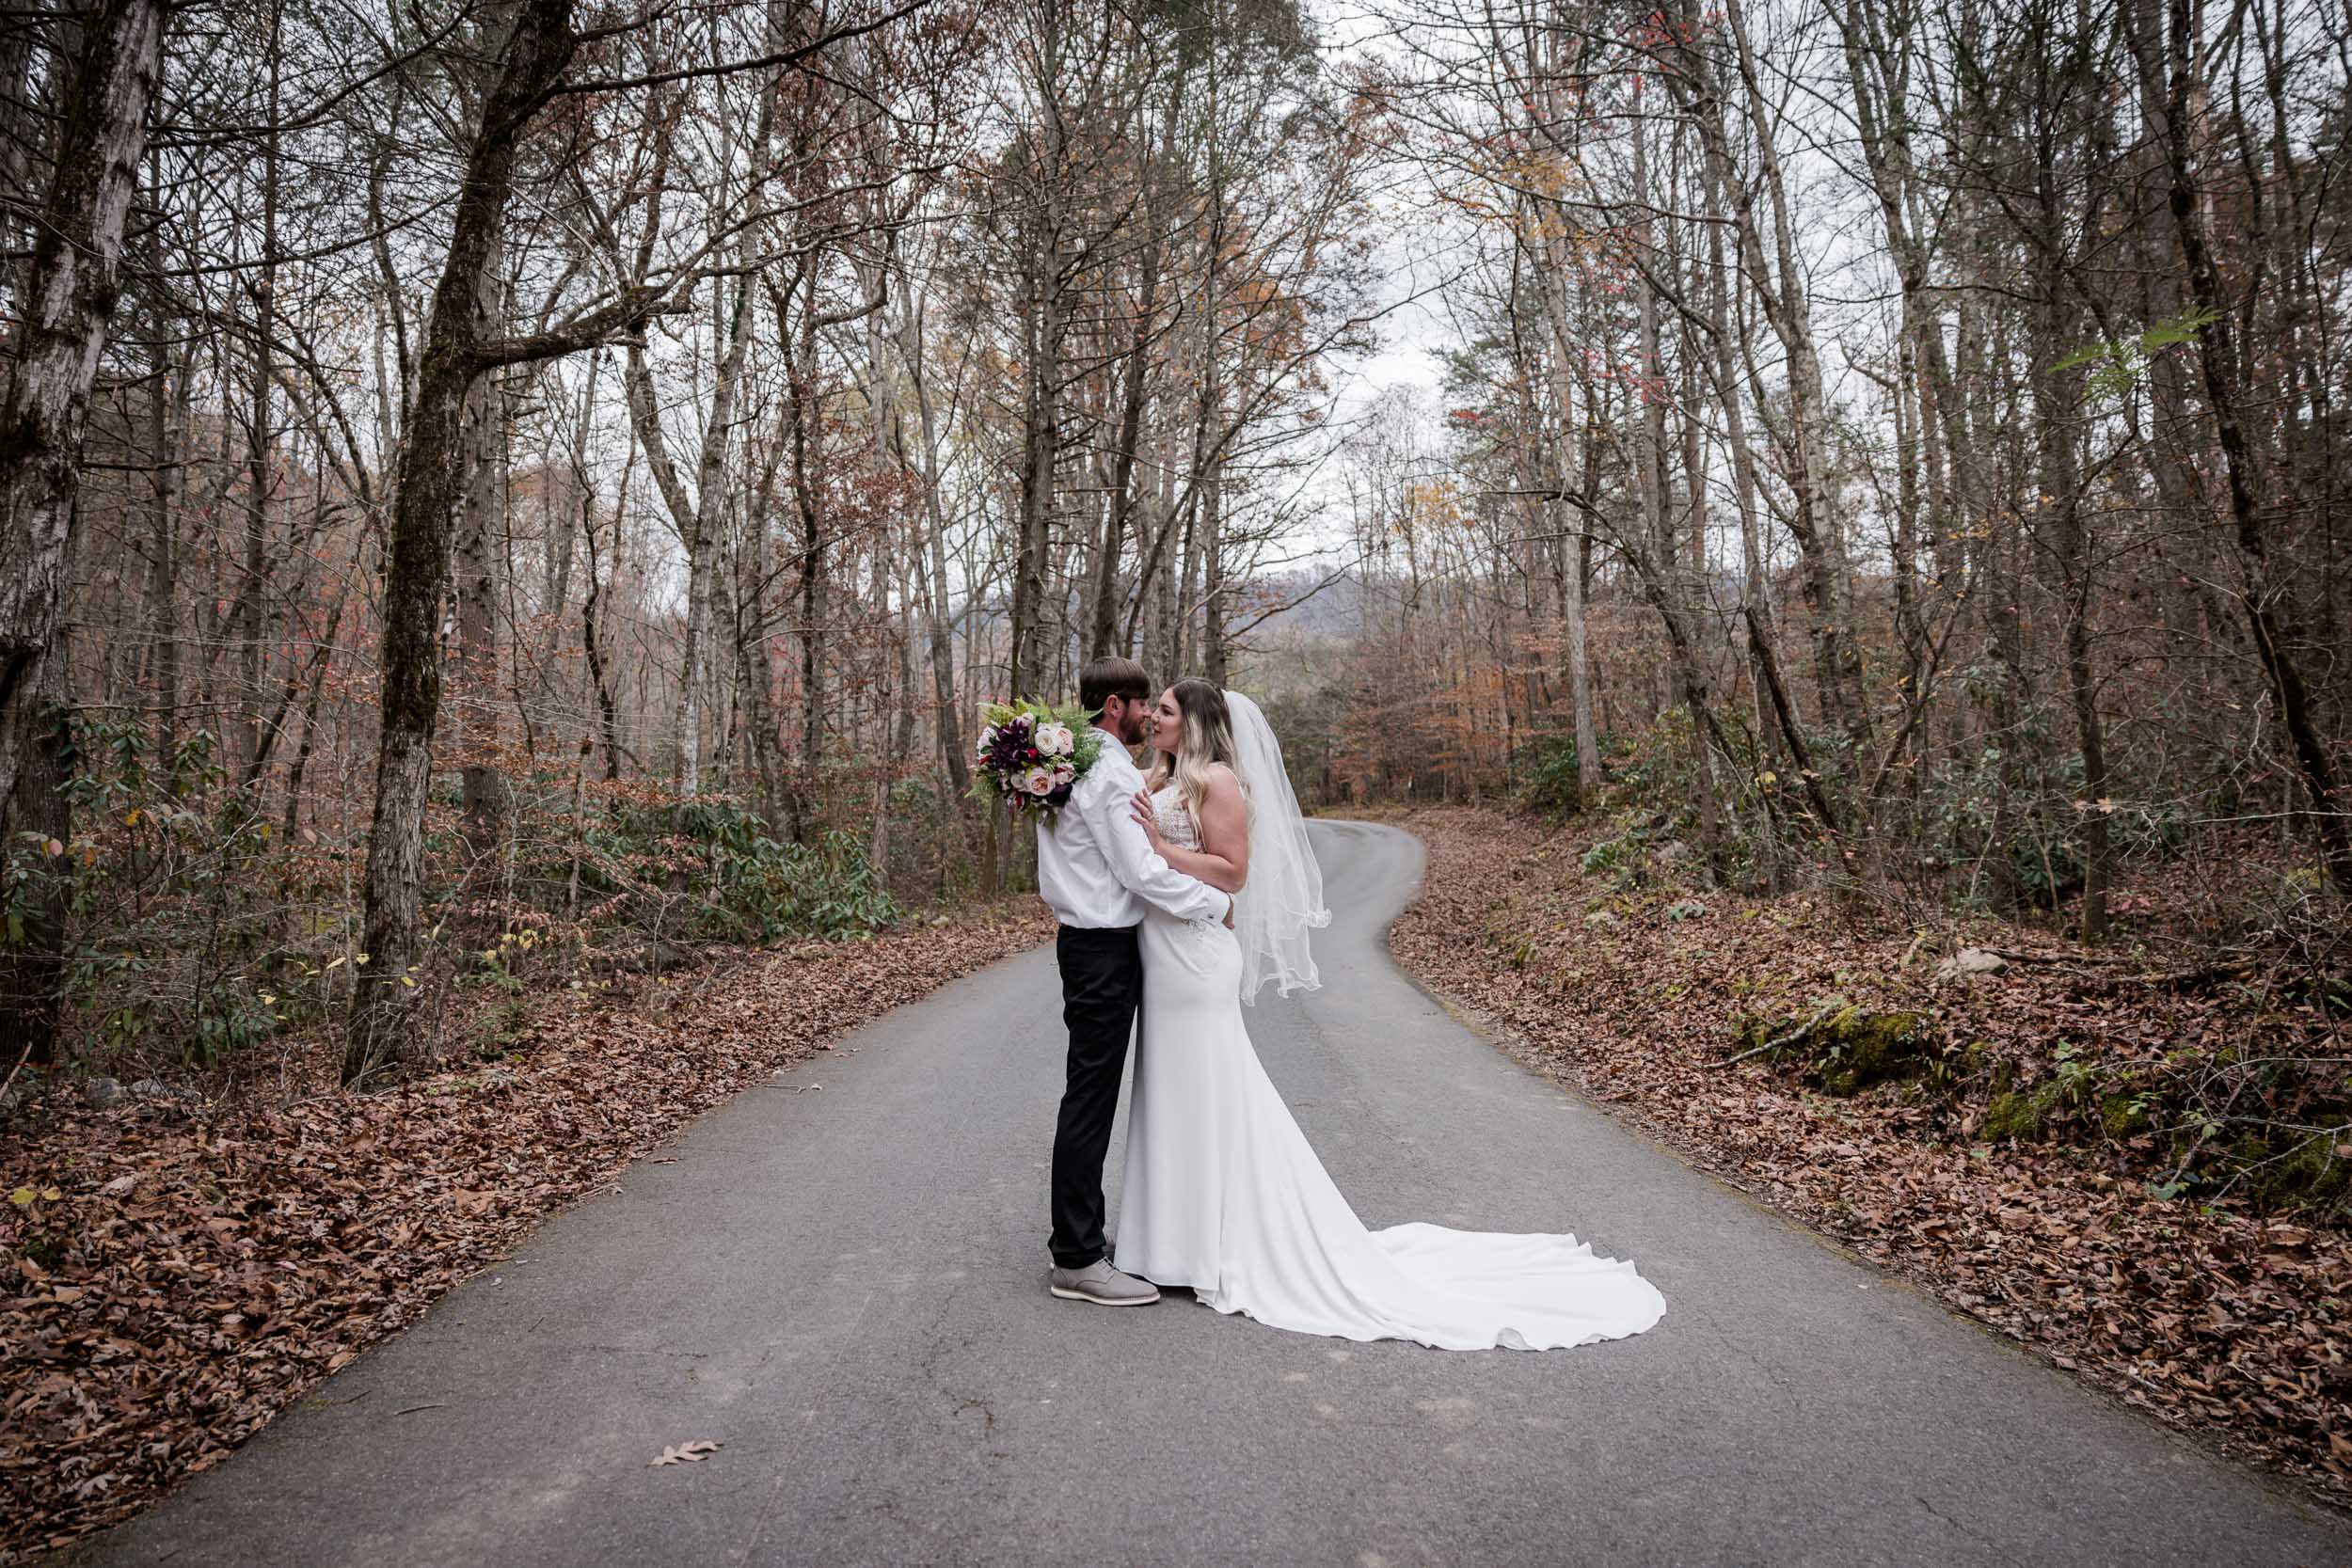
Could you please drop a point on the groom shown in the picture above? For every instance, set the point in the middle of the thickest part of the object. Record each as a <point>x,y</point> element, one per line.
<point>1097,870</point>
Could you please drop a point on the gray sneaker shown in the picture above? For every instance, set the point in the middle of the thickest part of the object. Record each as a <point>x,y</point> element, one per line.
<point>1102,1285</point>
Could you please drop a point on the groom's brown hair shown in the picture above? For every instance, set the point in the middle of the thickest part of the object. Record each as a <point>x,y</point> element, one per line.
<point>1101,679</point>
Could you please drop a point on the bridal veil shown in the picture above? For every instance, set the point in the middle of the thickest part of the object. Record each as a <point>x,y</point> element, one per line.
<point>1282,900</point>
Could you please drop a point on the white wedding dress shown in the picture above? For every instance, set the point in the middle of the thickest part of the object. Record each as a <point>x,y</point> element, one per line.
<point>1224,1194</point>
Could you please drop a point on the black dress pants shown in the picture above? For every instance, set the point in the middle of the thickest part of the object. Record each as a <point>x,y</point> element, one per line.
<point>1101,985</point>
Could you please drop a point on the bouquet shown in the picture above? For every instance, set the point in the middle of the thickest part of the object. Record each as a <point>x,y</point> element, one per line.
<point>1032,756</point>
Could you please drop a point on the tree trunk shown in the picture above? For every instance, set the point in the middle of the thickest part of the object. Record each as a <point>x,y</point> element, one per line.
<point>704,527</point>
<point>431,485</point>
<point>71,287</point>
<point>1042,326</point>
<point>482,522</point>
<point>318,667</point>
<point>72,284</point>
<point>2058,516</point>
<point>809,497</point>
<point>2217,360</point>
<point>1103,619</point>
<point>1778,281</point>
<point>32,970</point>
<point>942,628</point>
<point>607,718</point>
<point>252,614</point>
<point>755,672</point>
<point>168,395</point>
<point>1213,654</point>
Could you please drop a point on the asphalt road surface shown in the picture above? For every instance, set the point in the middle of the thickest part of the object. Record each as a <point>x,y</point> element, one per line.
<point>847,1290</point>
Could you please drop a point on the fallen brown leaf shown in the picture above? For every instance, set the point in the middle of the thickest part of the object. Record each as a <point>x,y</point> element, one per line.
<point>685,1453</point>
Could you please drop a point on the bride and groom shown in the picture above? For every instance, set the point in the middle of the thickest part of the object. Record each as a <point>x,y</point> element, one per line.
<point>1179,896</point>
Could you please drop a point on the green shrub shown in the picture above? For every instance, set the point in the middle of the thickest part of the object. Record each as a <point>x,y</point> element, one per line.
<point>169,900</point>
<point>1548,776</point>
<point>746,886</point>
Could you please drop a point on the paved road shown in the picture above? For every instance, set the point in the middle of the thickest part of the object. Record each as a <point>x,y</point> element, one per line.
<point>847,1288</point>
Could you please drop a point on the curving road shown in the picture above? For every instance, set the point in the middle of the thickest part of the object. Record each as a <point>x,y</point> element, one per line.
<point>846,1289</point>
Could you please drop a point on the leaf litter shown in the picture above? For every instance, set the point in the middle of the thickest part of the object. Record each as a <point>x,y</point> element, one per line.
<point>2214,1319</point>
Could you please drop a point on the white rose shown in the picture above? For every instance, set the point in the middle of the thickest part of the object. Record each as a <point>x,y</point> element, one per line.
<point>1056,741</point>
<point>1039,781</point>
<point>988,739</point>
<point>1064,774</point>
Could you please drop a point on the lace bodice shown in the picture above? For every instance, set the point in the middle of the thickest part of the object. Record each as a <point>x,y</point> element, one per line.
<point>1176,823</point>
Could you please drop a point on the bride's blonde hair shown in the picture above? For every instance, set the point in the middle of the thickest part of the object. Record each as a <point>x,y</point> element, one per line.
<point>1207,740</point>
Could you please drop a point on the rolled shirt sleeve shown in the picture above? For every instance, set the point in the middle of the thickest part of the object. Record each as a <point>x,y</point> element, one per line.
<point>1138,868</point>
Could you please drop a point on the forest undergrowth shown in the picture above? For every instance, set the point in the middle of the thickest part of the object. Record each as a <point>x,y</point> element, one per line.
<point>194,930</point>
<point>2130,1158</point>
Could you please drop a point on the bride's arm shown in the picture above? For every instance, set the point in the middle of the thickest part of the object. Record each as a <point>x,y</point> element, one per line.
<point>1223,859</point>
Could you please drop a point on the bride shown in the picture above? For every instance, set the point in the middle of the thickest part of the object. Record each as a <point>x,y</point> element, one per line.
<point>1223,1193</point>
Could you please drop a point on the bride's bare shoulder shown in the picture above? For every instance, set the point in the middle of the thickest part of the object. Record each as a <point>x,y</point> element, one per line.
<point>1224,784</point>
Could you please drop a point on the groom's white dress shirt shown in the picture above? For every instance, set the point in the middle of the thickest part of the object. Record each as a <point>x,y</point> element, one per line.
<point>1095,866</point>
